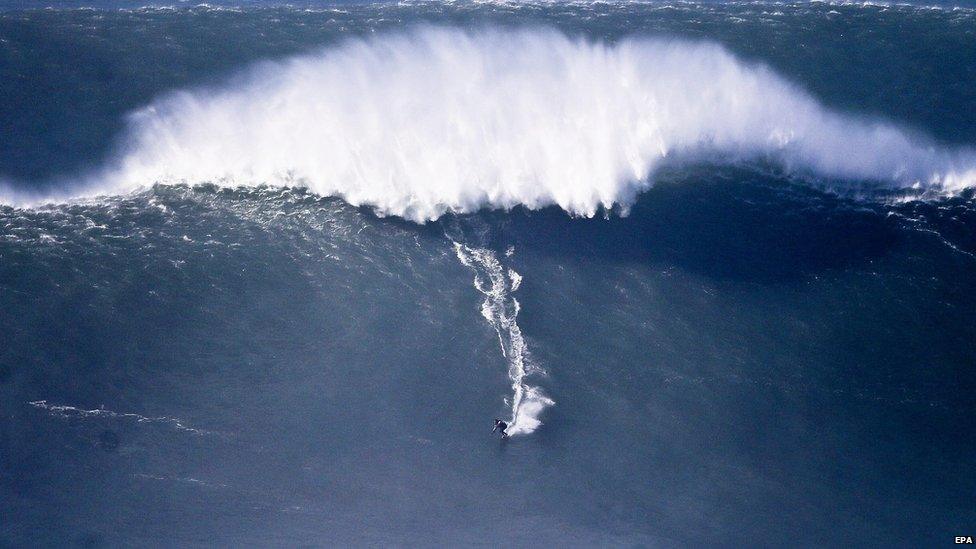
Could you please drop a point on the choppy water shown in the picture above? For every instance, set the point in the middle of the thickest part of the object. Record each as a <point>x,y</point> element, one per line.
<point>267,273</point>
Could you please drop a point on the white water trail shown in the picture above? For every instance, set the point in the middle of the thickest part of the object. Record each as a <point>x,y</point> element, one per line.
<point>436,120</point>
<point>65,411</point>
<point>501,310</point>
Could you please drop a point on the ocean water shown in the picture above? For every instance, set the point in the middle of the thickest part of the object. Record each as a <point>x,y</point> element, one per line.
<point>268,272</point>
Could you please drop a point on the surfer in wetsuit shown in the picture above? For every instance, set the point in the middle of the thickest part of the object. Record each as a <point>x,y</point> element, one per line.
<point>500,426</point>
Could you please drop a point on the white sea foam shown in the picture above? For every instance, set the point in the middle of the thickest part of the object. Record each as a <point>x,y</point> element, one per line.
<point>501,310</point>
<point>65,411</point>
<point>436,119</point>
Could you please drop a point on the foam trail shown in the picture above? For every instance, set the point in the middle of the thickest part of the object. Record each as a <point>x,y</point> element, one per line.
<point>501,310</point>
<point>65,411</point>
<point>437,119</point>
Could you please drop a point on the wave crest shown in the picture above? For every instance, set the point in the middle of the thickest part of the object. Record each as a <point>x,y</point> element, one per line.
<point>435,120</point>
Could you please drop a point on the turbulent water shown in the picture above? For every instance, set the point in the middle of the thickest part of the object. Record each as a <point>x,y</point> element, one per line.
<point>267,273</point>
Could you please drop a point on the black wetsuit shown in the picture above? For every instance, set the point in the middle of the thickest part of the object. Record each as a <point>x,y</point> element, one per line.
<point>500,426</point>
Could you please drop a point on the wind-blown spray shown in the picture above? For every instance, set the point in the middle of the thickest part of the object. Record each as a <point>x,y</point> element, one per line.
<point>435,120</point>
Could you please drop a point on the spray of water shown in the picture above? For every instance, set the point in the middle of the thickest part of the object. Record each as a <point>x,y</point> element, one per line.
<point>501,310</point>
<point>434,120</point>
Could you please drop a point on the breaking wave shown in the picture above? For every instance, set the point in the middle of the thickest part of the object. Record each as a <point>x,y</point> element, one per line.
<point>439,120</point>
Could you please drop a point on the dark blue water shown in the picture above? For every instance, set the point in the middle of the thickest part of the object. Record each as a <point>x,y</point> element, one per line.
<point>745,353</point>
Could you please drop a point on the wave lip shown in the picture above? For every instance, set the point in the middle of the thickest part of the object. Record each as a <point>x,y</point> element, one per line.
<point>434,120</point>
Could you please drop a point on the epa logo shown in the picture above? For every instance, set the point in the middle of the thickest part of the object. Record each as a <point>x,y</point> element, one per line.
<point>964,539</point>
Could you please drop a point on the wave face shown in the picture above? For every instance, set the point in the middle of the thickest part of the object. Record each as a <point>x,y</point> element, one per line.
<point>435,120</point>
<point>267,366</point>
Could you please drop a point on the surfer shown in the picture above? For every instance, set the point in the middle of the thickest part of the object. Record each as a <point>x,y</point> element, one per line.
<point>500,426</point>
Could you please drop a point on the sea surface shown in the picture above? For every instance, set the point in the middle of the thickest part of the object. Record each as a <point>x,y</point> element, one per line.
<point>268,273</point>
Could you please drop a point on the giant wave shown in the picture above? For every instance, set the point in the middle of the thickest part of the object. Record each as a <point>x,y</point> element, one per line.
<point>436,120</point>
